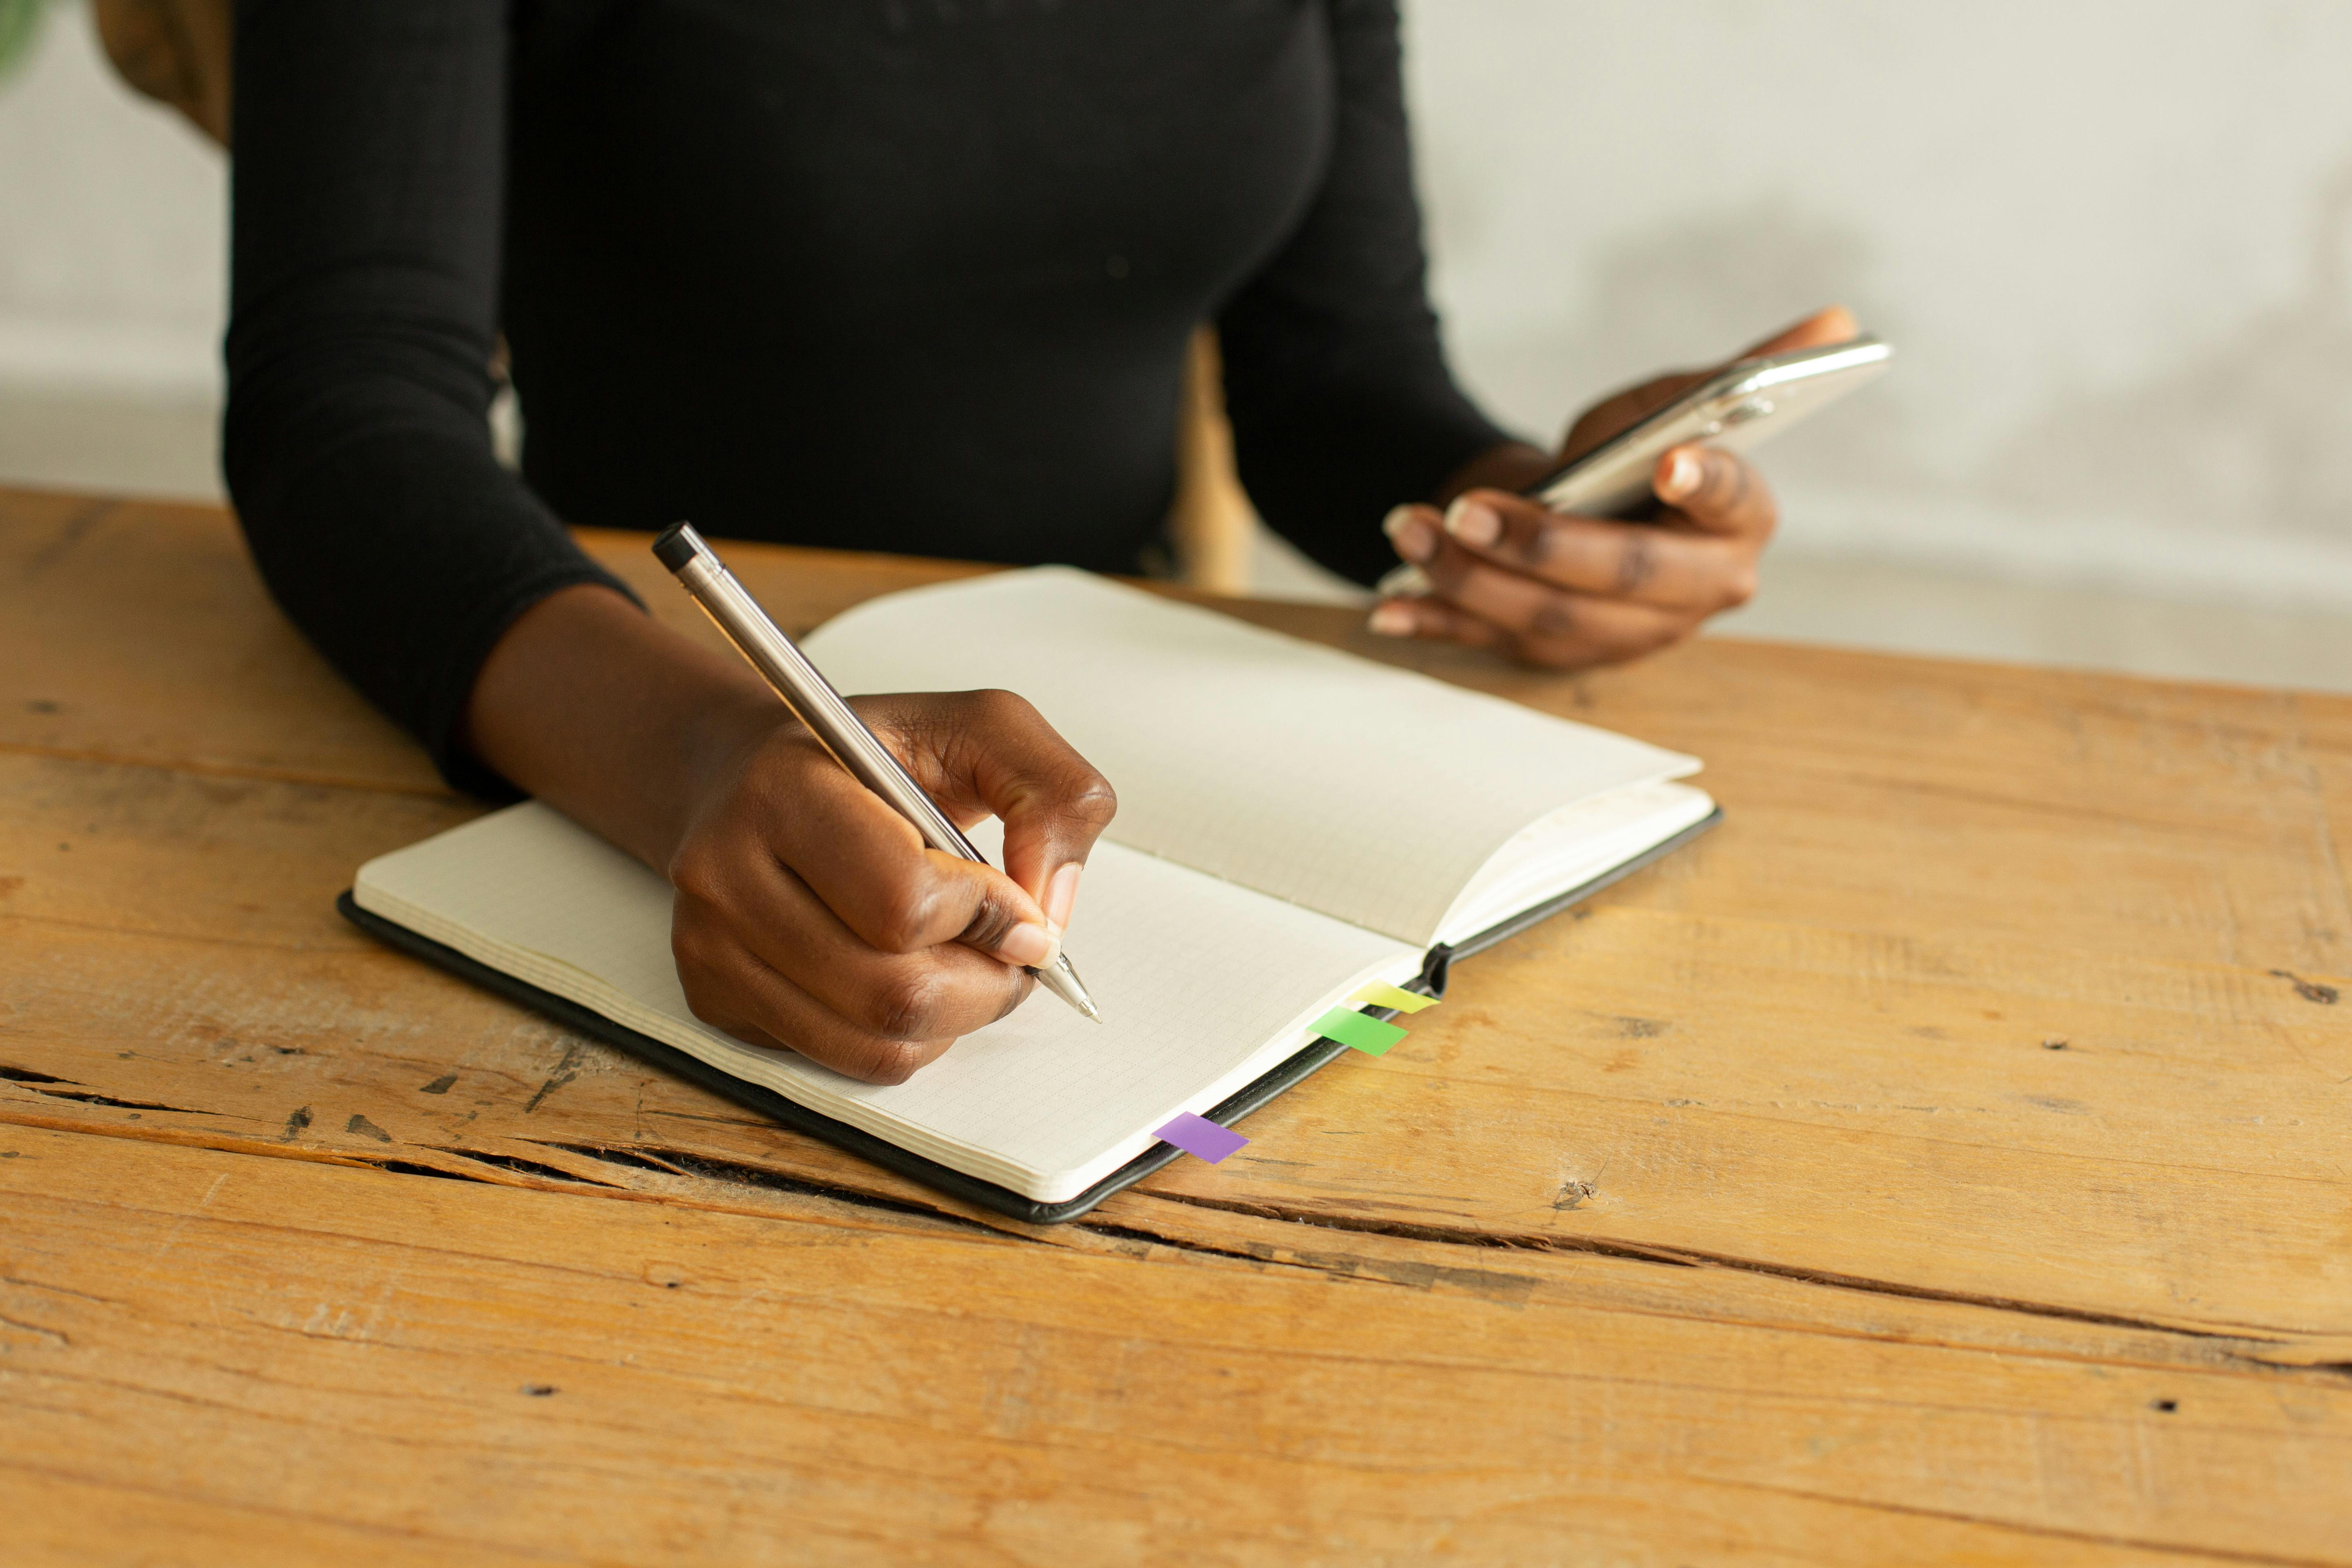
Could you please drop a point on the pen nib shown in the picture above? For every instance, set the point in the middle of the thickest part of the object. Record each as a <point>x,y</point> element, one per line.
<point>1061,977</point>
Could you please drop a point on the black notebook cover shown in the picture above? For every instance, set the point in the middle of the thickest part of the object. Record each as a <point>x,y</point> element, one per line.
<point>866,1146</point>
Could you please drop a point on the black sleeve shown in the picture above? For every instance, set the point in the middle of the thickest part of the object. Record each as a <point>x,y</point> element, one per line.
<point>368,180</point>
<point>1340,400</point>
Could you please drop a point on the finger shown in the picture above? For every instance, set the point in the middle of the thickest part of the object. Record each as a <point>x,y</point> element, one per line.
<point>1599,632</point>
<point>994,752</point>
<point>1717,492</point>
<point>1639,563</point>
<point>731,990</point>
<point>866,863</point>
<point>1434,619</point>
<point>1537,615</point>
<point>1830,324</point>
<point>753,903</point>
<point>1413,531</point>
<point>1576,636</point>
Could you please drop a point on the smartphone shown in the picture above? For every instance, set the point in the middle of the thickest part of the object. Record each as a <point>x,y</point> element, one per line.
<point>1735,409</point>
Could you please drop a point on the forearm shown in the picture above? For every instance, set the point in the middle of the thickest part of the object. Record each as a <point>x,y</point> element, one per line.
<point>806,913</point>
<point>1323,477</point>
<point>369,167</point>
<point>599,710</point>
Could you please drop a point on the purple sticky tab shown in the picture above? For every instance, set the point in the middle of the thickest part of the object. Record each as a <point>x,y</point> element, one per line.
<point>1200,1136</point>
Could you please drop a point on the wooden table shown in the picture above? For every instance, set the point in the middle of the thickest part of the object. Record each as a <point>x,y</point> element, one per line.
<point>1948,1159</point>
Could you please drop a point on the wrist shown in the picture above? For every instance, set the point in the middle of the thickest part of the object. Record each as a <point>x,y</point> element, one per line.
<point>614,719</point>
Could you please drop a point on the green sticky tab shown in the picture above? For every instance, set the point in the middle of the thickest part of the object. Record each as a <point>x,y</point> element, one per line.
<point>1380,994</point>
<point>1349,1027</point>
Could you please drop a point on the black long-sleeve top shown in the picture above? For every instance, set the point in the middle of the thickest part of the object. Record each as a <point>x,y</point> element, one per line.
<point>903,275</point>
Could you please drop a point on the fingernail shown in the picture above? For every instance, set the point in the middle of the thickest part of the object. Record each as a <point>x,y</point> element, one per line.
<point>1060,894</point>
<point>1682,475</point>
<point>1398,517</point>
<point>1026,944</point>
<point>1415,539</point>
<point>1391,620</point>
<point>1473,522</point>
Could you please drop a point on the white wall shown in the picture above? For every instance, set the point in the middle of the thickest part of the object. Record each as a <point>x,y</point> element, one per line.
<point>2111,239</point>
<point>112,262</point>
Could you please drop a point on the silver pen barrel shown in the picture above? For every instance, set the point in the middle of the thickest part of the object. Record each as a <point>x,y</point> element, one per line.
<point>812,701</point>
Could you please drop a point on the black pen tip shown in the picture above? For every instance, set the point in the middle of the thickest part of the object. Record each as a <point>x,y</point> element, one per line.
<point>674,548</point>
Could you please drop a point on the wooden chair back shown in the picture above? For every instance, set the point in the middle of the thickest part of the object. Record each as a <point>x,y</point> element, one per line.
<point>175,52</point>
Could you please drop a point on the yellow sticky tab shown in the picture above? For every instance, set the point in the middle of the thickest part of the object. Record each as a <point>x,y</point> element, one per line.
<point>1380,994</point>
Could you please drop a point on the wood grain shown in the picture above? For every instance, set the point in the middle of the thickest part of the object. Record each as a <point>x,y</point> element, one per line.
<point>1857,1186</point>
<point>1807,1101</point>
<point>260,1332</point>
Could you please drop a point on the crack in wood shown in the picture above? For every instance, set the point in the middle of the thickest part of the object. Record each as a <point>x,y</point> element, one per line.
<point>2248,1348</point>
<point>39,1083</point>
<point>1179,1244</point>
<point>410,1168</point>
<point>1692,1259</point>
<point>638,1159</point>
<point>678,1162</point>
<point>2027,1528</point>
<point>25,1284</point>
<point>715,1169</point>
<point>1448,1235</point>
<point>524,1167</point>
<point>1406,1274</point>
<point>36,1329</point>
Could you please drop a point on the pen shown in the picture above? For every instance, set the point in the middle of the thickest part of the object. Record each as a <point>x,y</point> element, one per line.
<point>833,721</point>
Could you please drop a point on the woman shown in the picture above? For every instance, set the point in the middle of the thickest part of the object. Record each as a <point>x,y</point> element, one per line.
<point>906,275</point>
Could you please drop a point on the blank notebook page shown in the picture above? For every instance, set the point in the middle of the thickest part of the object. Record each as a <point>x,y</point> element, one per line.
<point>1203,986</point>
<point>1368,793</point>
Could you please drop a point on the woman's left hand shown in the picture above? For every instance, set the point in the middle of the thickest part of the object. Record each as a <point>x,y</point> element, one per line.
<point>1565,591</point>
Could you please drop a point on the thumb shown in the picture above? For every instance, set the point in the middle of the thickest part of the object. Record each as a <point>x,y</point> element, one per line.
<point>1000,917</point>
<point>1054,805</point>
<point>990,754</point>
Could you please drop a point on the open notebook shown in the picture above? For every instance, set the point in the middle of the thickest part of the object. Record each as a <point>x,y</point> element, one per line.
<point>1293,822</point>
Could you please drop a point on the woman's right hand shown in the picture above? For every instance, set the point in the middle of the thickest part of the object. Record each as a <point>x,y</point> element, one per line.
<point>811,915</point>
<point>807,914</point>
